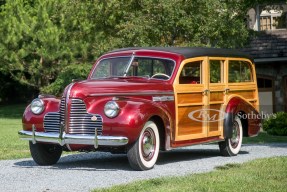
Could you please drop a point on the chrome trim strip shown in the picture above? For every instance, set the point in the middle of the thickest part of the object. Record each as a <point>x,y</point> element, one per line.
<point>95,140</point>
<point>41,96</point>
<point>132,94</point>
<point>66,109</point>
<point>163,98</point>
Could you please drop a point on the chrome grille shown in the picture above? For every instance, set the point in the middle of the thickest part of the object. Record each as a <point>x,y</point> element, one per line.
<point>52,122</point>
<point>81,122</point>
<point>62,109</point>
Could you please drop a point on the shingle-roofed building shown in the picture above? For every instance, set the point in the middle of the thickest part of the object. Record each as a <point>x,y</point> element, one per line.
<point>269,50</point>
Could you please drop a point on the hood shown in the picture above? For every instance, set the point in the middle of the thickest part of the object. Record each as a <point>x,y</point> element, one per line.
<point>119,86</point>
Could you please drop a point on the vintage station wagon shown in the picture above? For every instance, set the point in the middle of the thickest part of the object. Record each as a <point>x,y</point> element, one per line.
<point>142,100</point>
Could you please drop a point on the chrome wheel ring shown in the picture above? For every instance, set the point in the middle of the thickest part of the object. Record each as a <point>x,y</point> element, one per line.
<point>148,144</point>
<point>234,141</point>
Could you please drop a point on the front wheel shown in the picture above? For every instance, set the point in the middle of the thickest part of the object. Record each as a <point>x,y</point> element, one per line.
<point>45,154</point>
<point>143,154</point>
<point>231,146</point>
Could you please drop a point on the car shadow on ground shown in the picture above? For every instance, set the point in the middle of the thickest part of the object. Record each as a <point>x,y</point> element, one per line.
<point>99,161</point>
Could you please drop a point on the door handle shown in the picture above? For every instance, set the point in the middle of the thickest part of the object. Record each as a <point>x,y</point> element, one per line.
<point>226,91</point>
<point>205,92</point>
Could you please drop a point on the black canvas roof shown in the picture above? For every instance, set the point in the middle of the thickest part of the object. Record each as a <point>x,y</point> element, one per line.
<point>189,52</point>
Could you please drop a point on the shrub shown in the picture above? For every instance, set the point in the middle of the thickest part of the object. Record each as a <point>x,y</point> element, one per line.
<point>74,71</point>
<point>276,124</point>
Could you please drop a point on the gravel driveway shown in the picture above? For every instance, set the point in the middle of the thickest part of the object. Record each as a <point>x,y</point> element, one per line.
<point>83,172</point>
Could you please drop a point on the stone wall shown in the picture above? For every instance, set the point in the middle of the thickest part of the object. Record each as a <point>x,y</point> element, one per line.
<point>277,71</point>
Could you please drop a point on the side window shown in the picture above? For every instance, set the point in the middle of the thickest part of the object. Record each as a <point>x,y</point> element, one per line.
<point>158,67</point>
<point>144,67</point>
<point>216,71</point>
<point>239,71</point>
<point>191,73</point>
<point>151,66</point>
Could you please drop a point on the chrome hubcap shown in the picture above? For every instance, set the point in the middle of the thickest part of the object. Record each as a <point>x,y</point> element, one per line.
<point>235,135</point>
<point>148,144</point>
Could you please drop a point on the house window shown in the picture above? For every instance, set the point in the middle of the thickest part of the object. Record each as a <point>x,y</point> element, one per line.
<point>273,17</point>
<point>264,83</point>
<point>272,22</point>
<point>265,23</point>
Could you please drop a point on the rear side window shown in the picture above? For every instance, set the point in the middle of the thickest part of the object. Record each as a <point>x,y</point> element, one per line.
<point>191,73</point>
<point>239,71</point>
<point>216,72</point>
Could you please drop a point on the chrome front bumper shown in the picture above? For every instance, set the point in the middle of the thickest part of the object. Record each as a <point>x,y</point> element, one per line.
<point>63,138</point>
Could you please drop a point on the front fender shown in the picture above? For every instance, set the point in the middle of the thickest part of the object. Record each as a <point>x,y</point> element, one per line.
<point>134,113</point>
<point>29,118</point>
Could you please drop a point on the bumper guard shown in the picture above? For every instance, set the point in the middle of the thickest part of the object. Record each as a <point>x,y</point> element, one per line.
<point>62,138</point>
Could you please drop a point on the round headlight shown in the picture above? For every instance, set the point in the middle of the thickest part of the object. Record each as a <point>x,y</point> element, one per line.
<point>111,109</point>
<point>37,106</point>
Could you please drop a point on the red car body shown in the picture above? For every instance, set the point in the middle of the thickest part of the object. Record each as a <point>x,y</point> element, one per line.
<point>138,102</point>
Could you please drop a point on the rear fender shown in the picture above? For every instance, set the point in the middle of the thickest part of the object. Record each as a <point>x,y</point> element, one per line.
<point>250,117</point>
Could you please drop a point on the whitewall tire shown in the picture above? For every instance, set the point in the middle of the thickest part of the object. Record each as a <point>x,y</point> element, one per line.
<point>144,152</point>
<point>231,146</point>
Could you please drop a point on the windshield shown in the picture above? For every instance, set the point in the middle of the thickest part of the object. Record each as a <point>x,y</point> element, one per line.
<point>134,66</point>
<point>112,67</point>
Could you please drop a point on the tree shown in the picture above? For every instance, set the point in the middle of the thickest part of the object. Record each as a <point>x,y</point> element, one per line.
<point>40,39</point>
<point>31,48</point>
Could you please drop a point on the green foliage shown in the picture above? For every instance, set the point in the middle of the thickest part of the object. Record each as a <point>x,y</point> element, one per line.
<point>40,38</point>
<point>181,23</point>
<point>74,71</point>
<point>276,124</point>
<point>31,45</point>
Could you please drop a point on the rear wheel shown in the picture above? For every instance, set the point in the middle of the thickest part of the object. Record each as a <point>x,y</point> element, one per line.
<point>143,154</point>
<point>45,154</point>
<point>231,146</point>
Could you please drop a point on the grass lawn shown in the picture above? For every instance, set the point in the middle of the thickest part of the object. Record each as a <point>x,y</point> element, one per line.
<point>10,123</point>
<point>259,175</point>
<point>263,137</point>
